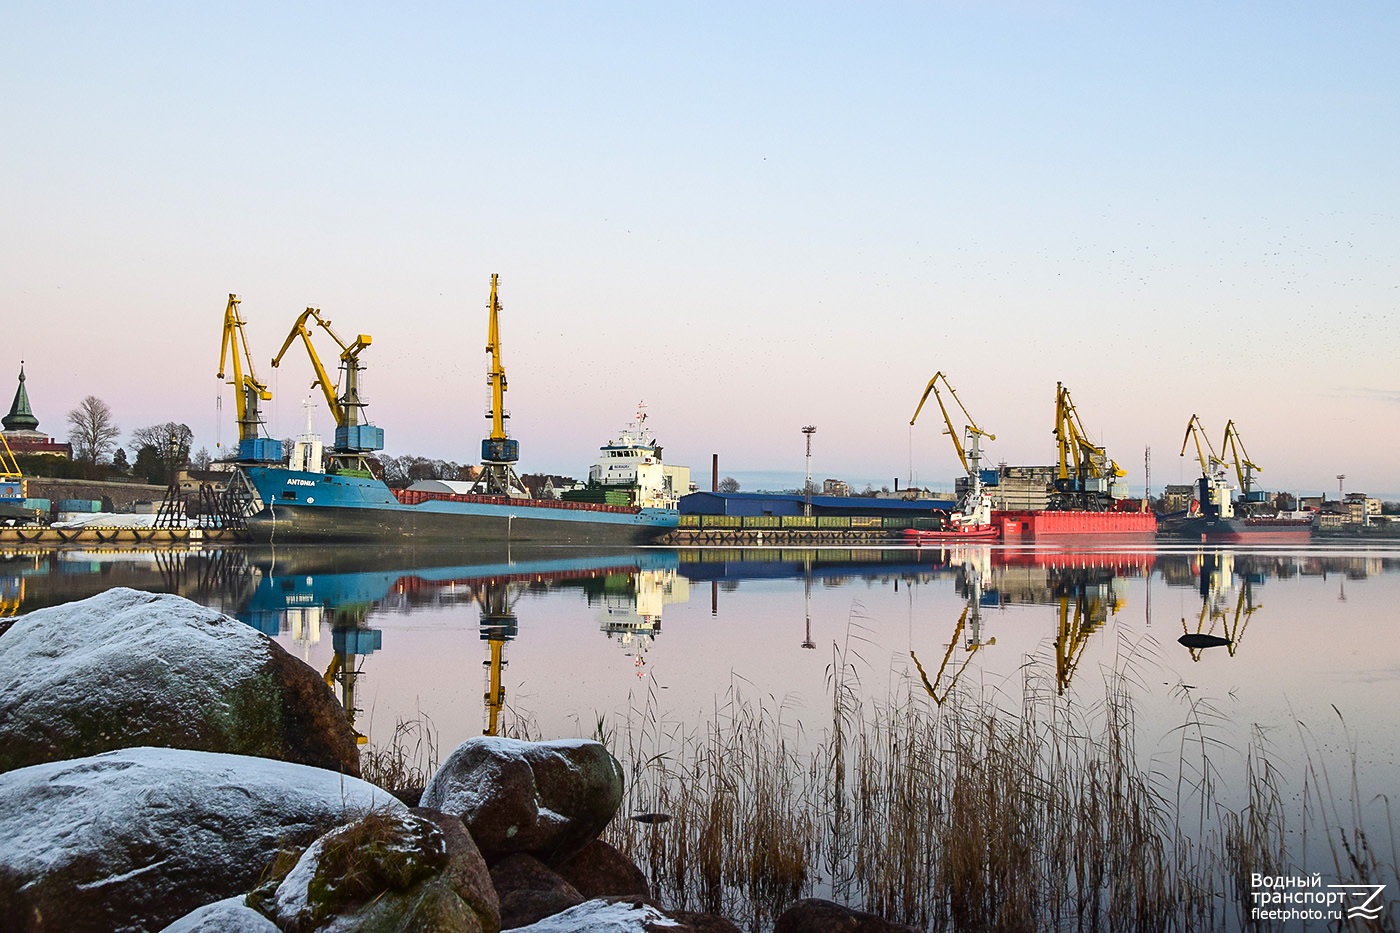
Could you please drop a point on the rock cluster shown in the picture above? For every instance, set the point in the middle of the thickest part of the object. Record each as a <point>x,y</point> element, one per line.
<point>166,767</point>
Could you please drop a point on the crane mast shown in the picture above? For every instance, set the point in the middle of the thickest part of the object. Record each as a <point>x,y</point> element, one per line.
<point>250,393</point>
<point>498,452</point>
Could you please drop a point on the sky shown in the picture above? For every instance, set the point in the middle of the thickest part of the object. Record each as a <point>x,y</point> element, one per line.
<point>753,217</point>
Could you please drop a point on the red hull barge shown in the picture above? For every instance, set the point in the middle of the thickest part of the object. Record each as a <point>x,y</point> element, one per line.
<point>1043,523</point>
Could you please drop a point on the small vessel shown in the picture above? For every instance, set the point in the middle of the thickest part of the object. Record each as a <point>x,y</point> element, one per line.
<point>973,522</point>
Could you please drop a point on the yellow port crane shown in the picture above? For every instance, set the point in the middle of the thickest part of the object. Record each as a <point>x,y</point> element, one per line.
<point>250,393</point>
<point>975,508</point>
<point>9,466</point>
<point>970,621</point>
<point>1212,489</point>
<point>1233,448</point>
<point>351,436</point>
<point>974,433</point>
<point>1087,476</point>
<point>498,452</point>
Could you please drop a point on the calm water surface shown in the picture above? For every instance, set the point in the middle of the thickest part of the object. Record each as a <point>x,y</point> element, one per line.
<point>585,637</point>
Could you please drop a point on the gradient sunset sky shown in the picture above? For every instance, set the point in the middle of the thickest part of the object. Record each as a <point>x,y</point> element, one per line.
<point>752,216</point>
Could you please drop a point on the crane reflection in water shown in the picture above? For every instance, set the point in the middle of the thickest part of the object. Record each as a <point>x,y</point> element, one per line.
<point>1227,602</point>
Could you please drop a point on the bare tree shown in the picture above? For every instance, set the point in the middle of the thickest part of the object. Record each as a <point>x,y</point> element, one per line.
<point>161,449</point>
<point>729,484</point>
<point>92,430</point>
<point>158,436</point>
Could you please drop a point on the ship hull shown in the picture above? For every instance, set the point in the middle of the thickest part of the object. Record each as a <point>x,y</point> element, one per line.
<point>1249,530</point>
<point>1041,524</point>
<point>951,535</point>
<point>310,507</point>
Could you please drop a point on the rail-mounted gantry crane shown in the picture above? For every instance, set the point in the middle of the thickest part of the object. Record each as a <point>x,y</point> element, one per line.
<point>353,437</point>
<point>499,452</point>
<point>976,506</point>
<point>250,393</point>
<point>1087,478</point>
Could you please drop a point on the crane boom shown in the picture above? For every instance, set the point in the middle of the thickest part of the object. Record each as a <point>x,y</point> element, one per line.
<point>496,376</point>
<point>350,435</point>
<point>249,391</point>
<point>1194,429</point>
<point>971,428</point>
<point>9,466</point>
<point>498,451</point>
<point>1233,447</point>
<point>323,381</point>
<point>1212,489</point>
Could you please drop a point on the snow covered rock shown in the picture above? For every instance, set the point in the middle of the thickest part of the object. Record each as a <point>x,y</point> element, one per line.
<point>628,915</point>
<point>390,871</point>
<point>127,668</point>
<point>136,838</point>
<point>230,915</point>
<point>548,799</point>
<point>601,916</point>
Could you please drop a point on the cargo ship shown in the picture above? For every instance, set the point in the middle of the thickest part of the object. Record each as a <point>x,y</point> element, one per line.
<point>297,506</point>
<point>1216,520</point>
<point>1217,517</point>
<point>350,502</point>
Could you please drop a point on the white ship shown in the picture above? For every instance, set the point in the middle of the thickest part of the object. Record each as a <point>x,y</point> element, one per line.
<point>632,462</point>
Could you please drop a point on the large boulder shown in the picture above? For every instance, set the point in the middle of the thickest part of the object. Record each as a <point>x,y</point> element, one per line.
<point>417,870</point>
<point>815,915</point>
<point>601,870</point>
<point>136,838</point>
<point>529,890</point>
<point>127,668</point>
<point>547,799</point>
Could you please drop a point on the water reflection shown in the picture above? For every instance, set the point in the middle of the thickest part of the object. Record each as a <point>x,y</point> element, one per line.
<point>1227,602</point>
<point>973,596</point>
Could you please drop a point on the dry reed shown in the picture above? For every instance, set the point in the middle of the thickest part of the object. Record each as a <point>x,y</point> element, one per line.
<point>976,813</point>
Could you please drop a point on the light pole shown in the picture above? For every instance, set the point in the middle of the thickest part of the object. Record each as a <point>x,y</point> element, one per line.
<point>809,430</point>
